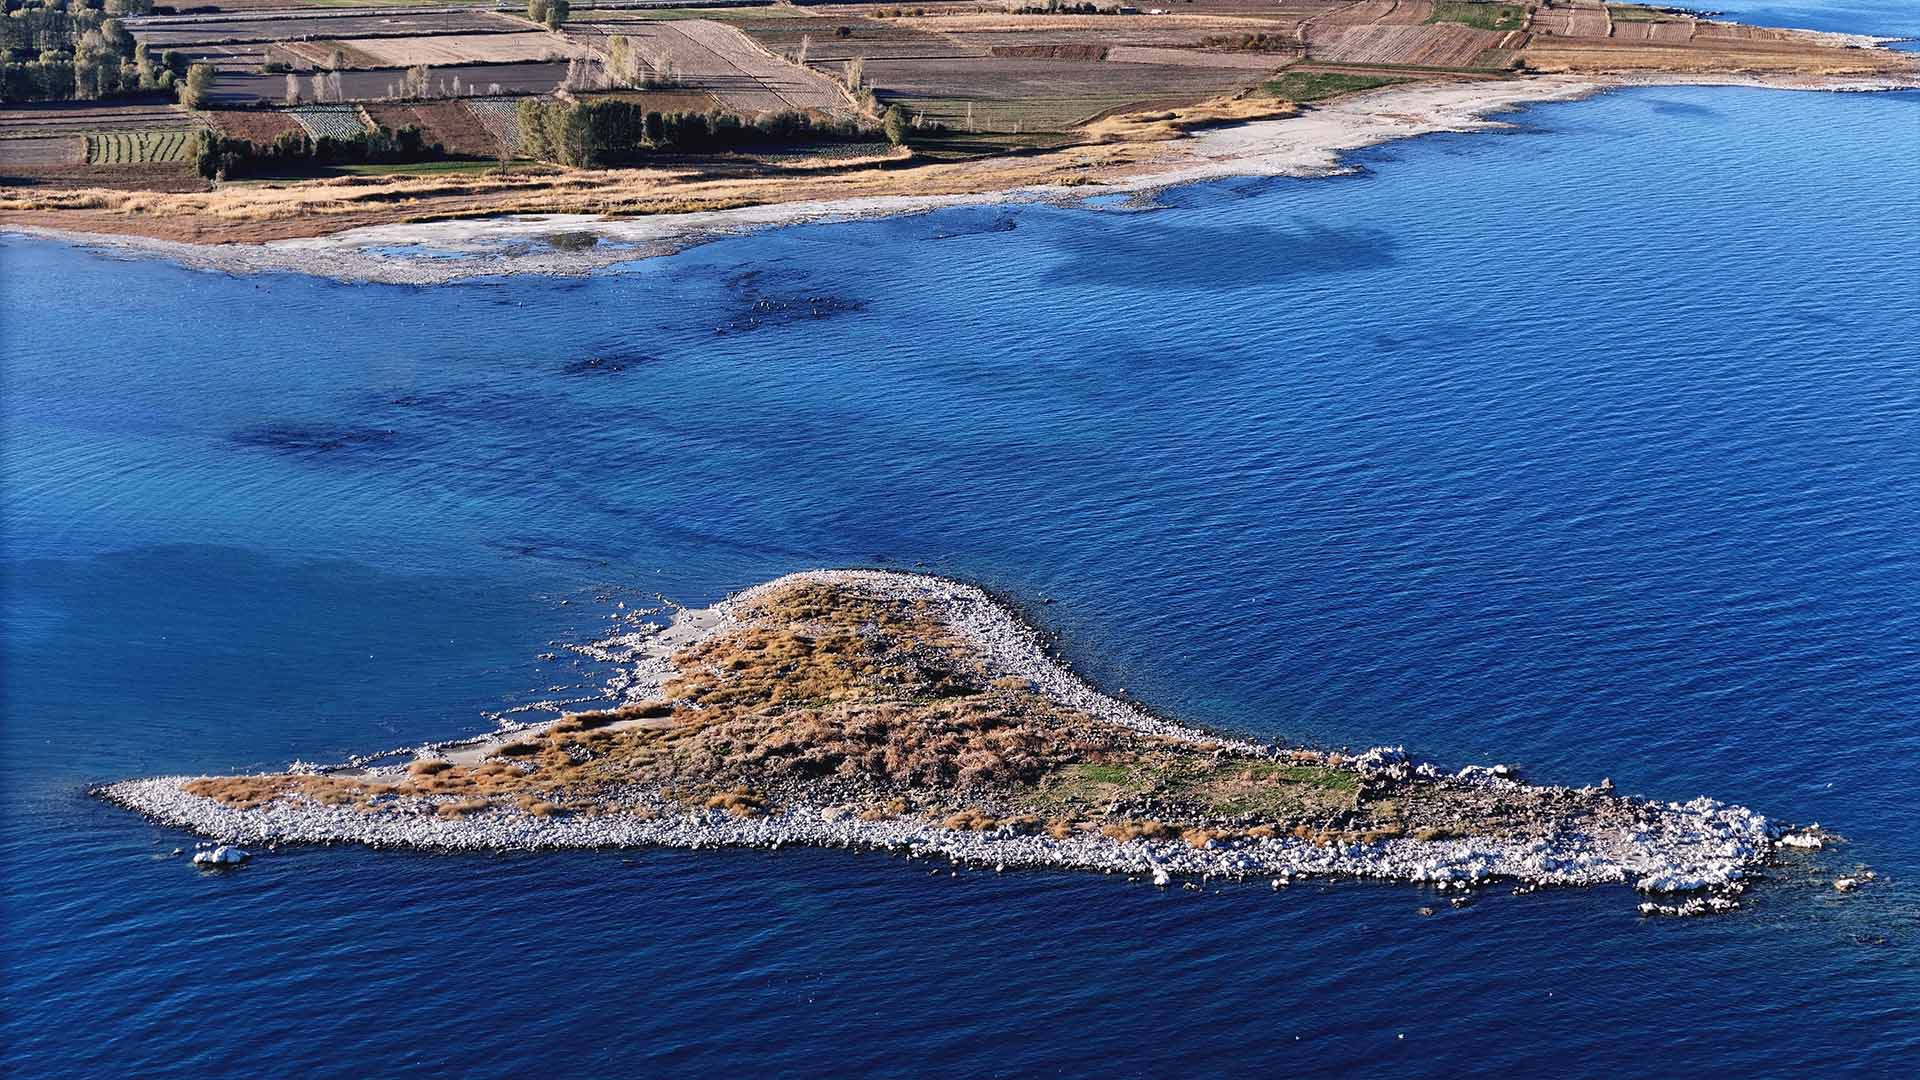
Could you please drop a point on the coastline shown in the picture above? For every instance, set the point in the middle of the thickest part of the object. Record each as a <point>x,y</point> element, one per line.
<point>1590,837</point>
<point>1314,142</point>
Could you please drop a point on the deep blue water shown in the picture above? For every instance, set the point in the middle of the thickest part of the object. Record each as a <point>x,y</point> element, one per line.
<point>1593,447</point>
<point>1885,18</point>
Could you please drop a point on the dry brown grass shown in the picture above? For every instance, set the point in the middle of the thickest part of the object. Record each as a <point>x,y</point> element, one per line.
<point>885,812</point>
<point>970,821</point>
<point>1124,831</point>
<point>462,808</point>
<point>741,802</point>
<point>1203,838</point>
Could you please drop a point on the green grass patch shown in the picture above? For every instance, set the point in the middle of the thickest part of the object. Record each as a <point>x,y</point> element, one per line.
<point>1321,85</point>
<point>951,146</point>
<point>1479,16</point>
<point>139,147</point>
<point>1105,774</point>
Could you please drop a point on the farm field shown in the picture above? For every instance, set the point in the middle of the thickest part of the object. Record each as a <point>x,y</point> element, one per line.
<point>328,121</point>
<point>260,126</point>
<point>501,119</point>
<point>81,117</point>
<point>172,32</point>
<point>1571,18</point>
<point>37,151</point>
<point>139,147</point>
<point>1444,45</point>
<point>452,124</point>
<point>875,39</point>
<point>1014,94</point>
<point>441,49</point>
<point>1318,85</point>
<point>1480,16</point>
<point>383,83</point>
<point>719,59</point>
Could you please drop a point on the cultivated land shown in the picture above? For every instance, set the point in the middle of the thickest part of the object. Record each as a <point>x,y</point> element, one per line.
<point>862,708</point>
<point>987,97</point>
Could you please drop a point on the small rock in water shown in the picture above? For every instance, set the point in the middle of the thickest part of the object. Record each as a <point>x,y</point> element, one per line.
<point>220,856</point>
<point>1846,884</point>
<point>1161,877</point>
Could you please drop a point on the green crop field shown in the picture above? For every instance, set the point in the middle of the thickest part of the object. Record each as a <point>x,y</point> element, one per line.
<point>139,147</point>
<point>1319,85</point>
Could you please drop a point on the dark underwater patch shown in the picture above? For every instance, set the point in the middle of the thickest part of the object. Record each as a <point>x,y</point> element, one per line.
<point>762,307</point>
<point>999,223</point>
<point>1666,107</point>
<point>610,364</point>
<point>287,439</point>
<point>1163,259</point>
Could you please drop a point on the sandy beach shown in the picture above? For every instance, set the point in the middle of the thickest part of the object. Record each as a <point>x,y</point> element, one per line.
<point>1314,142</point>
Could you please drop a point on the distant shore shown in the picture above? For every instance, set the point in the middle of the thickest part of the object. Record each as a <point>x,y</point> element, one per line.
<point>1312,143</point>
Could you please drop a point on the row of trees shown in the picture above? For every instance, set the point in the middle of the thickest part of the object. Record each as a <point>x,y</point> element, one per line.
<point>608,132</point>
<point>59,51</point>
<point>220,158</point>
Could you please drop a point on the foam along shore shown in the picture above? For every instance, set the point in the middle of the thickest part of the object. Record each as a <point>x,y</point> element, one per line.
<point>855,708</point>
<point>1311,143</point>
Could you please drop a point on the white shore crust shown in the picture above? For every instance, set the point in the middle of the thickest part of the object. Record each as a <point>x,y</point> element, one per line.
<point>1654,847</point>
<point>1310,144</point>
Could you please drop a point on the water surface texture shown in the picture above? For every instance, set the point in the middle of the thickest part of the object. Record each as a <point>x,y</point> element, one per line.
<point>1594,448</point>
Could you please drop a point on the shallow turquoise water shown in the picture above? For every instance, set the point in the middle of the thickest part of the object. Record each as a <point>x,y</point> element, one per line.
<point>1593,447</point>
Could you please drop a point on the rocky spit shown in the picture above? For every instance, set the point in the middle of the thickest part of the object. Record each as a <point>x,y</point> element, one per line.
<point>1702,850</point>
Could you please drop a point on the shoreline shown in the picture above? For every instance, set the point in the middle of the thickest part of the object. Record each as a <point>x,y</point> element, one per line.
<point>1314,142</point>
<point>1701,847</point>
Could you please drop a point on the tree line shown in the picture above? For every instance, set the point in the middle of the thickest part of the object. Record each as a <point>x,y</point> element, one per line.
<point>610,131</point>
<point>219,157</point>
<point>62,50</point>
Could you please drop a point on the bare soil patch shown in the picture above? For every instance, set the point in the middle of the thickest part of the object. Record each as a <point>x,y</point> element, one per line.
<point>1447,45</point>
<point>40,151</point>
<point>255,125</point>
<point>450,123</point>
<point>1018,94</point>
<point>80,117</point>
<point>717,59</point>
<point>464,49</point>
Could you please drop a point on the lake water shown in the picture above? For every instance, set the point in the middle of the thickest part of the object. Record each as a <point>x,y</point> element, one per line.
<point>1593,447</point>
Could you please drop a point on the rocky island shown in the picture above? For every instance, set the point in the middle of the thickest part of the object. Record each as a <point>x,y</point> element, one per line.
<point>912,713</point>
